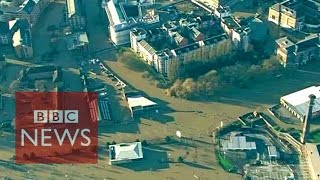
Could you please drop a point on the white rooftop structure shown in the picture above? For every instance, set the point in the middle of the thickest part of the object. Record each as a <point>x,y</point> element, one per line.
<point>139,103</point>
<point>313,160</point>
<point>238,143</point>
<point>272,151</point>
<point>299,101</point>
<point>125,152</point>
<point>114,13</point>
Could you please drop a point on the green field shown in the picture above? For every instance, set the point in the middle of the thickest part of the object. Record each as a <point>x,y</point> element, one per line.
<point>225,163</point>
<point>315,136</point>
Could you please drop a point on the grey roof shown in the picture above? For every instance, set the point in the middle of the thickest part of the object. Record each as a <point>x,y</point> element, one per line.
<point>310,41</point>
<point>230,22</point>
<point>215,39</point>
<point>195,32</point>
<point>285,42</point>
<point>187,48</point>
<point>178,38</point>
<point>125,151</point>
<point>25,8</point>
<point>138,31</point>
<point>147,46</point>
<point>76,40</point>
<point>40,69</point>
<point>302,109</point>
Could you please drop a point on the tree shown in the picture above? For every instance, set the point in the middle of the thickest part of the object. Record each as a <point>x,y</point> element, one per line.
<point>167,139</point>
<point>144,143</point>
<point>108,144</point>
<point>271,64</point>
<point>180,159</point>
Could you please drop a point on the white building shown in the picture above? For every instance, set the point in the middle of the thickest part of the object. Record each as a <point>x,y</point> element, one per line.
<point>125,152</point>
<point>298,102</point>
<point>136,35</point>
<point>126,15</point>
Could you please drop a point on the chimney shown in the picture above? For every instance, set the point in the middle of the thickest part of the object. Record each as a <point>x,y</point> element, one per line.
<point>308,118</point>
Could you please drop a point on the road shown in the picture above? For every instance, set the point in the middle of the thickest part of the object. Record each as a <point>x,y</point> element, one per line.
<point>96,30</point>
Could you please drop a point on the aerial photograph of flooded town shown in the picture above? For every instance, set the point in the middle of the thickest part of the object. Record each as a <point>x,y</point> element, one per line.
<point>160,89</point>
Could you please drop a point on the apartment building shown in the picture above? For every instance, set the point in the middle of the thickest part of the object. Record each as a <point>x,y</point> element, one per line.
<point>126,15</point>
<point>28,9</point>
<point>291,14</point>
<point>238,34</point>
<point>287,14</point>
<point>298,52</point>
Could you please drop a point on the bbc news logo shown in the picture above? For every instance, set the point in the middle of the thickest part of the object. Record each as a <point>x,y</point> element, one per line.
<point>55,116</point>
<point>56,127</point>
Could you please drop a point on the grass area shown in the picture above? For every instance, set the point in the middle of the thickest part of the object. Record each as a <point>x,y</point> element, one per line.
<point>225,163</point>
<point>186,7</point>
<point>132,61</point>
<point>315,136</point>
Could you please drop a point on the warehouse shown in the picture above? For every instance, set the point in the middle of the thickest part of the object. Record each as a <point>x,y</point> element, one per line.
<point>298,102</point>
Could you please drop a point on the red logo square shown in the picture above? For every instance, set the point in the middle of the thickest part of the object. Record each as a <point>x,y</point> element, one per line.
<point>56,127</point>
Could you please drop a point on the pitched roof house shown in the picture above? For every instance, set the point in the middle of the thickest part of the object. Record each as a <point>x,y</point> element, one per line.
<point>125,152</point>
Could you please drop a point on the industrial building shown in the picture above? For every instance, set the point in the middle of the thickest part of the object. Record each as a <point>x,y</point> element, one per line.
<point>125,152</point>
<point>298,102</point>
<point>126,15</point>
<point>238,143</point>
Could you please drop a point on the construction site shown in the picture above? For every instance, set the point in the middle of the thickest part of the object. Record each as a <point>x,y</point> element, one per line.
<point>259,148</point>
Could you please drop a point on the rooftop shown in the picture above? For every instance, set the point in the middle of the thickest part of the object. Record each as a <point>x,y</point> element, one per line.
<point>125,151</point>
<point>300,99</point>
<point>137,102</point>
<point>138,31</point>
<point>215,39</point>
<point>77,40</point>
<point>238,143</point>
<point>230,22</point>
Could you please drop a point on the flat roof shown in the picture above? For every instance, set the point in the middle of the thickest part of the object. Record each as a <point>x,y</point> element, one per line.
<point>238,143</point>
<point>140,101</point>
<point>272,150</point>
<point>114,13</point>
<point>125,151</point>
<point>300,99</point>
